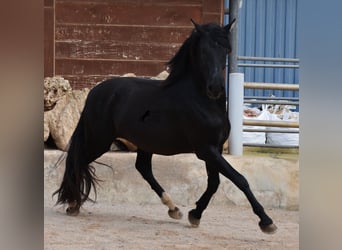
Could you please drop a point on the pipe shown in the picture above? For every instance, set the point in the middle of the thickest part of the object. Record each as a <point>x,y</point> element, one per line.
<point>271,130</point>
<point>268,59</point>
<point>281,124</point>
<point>268,65</point>
<point>277,86</point>
<point>275,102</point>
<point>236,113</point>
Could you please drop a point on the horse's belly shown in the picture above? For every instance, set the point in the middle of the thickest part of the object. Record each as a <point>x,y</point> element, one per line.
<point>160,142</point>
<point>166,147</point>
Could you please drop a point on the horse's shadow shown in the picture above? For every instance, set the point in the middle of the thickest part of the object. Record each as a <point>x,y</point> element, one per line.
<point>120,217</point>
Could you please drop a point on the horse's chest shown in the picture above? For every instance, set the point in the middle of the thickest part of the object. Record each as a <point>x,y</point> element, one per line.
<point>209,123</point>
<point>210,117</point>
<point>212,124</point>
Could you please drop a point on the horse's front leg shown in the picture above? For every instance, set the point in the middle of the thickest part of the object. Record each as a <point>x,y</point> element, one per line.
<point>144,165</point>
<point>213,157</point>
<point>195,215</point>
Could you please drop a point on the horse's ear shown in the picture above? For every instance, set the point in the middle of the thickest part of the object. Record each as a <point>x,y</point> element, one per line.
<point>229,27</point>
<point>197,26</point>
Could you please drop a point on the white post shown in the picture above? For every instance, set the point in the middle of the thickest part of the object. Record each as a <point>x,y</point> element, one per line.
<point>236,81</point>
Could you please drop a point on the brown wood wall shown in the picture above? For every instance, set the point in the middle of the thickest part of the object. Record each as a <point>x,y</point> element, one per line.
<point>90,40</point>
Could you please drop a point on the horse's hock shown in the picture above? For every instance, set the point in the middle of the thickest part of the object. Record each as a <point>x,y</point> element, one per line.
<point>275,182</point>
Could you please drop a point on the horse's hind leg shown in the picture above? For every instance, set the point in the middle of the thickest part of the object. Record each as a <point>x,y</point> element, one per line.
<point>144,165</point>
<point>195,215</point>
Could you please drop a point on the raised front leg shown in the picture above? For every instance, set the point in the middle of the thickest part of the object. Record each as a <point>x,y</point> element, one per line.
<point>195,215</point>
<point>144,165</point>
<point>213,158</point>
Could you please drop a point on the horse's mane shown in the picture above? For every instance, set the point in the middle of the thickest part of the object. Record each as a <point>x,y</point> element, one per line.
<point>180,62</point>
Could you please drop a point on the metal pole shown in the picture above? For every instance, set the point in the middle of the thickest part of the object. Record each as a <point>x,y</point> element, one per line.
<point>269,59</point>
<point>233,56</point>
<point>276,86</point>
<point>268,65</point>
<point>235,101</point>
<point>235,113</point>
<point>267,123</point>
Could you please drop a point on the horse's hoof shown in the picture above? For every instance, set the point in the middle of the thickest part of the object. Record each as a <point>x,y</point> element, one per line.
<point>175,214</point>
<point>193,220</point>
<point>73,211</point>
<point>268,229</point>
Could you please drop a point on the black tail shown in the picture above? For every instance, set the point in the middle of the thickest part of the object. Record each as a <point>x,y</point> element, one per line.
<point>79,176</point>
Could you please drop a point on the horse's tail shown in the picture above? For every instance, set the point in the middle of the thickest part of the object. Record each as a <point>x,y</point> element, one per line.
<point>79,176</point>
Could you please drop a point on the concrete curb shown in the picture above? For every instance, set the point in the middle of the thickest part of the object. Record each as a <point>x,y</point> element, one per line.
<point>275,182</point>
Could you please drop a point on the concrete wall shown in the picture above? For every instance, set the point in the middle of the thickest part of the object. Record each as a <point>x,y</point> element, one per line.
<point>275,182</point>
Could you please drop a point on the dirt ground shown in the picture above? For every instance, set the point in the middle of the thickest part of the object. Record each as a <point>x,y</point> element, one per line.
<point>147,226</point>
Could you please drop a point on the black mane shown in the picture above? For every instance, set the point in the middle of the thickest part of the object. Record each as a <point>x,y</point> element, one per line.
<point>180,62</point>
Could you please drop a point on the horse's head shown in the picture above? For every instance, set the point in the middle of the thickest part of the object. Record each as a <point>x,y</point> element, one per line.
<point>210,55</point>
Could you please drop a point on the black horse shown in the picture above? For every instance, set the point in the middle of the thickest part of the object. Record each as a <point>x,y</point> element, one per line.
<point>186,113</point>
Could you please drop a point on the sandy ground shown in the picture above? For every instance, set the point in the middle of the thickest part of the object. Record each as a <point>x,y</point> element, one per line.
<point>147,226</point>
<point>128,214</point>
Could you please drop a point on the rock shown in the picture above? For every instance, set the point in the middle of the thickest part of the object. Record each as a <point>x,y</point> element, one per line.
<point>129,75</point>
<point>161,76</point>
<point>61,121</point>
<point>63,107</point>
<point>54,89</point>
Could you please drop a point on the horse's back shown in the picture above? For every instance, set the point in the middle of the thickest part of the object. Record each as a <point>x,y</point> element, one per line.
<point>116,91</point>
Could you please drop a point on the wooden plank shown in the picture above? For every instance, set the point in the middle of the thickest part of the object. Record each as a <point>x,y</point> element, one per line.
<point>48,3</point>
<point>48,41</point>
<point>96,39</point>
<point>172,2</point>
<point>108,67</point>
<point>145,2</point>
<point>212,18</point>
<point>213,11</point>
<point>88,81</point>
<point>123,33</point>
<point>115,50</point>
<point>125,13</point>
<point>214,6</point>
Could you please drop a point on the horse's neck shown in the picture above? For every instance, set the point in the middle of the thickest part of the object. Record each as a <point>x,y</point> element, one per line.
<point>199,85</point>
